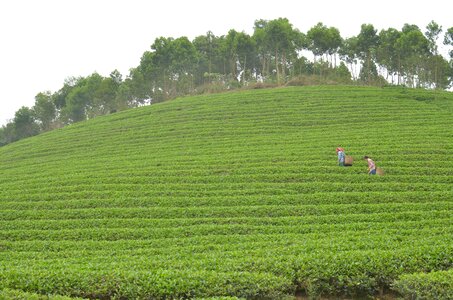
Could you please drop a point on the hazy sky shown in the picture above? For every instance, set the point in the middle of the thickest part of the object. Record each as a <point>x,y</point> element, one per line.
<point>42,42</point>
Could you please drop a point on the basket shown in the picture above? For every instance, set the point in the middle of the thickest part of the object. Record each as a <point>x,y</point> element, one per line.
<point>348,160</point>
<point>379,172</point>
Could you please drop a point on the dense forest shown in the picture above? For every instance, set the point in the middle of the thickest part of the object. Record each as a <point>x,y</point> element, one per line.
<point>276,54</point>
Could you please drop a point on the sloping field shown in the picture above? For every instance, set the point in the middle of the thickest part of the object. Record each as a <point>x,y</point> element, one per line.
<point>235,194</point>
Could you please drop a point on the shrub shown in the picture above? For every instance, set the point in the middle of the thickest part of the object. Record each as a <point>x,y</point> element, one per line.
<point>434,285</point>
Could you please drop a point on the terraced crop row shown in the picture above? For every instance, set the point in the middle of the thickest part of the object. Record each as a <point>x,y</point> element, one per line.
<point>236,194</point>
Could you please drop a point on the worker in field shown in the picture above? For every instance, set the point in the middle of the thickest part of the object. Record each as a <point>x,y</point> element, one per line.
<point>341,156</point>
<point>371,165</point>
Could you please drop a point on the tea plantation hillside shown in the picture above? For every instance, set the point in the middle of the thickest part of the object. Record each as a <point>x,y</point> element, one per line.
<point>236,194</point>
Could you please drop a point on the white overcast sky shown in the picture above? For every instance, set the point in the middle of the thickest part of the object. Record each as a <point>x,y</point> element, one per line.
<point>42,42</point>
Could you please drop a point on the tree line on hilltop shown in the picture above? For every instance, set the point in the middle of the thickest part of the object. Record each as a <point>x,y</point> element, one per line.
<point>273,55</point>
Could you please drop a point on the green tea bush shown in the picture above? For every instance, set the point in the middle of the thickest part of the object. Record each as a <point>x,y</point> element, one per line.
<point>233,195</point>
<point>434,285</point>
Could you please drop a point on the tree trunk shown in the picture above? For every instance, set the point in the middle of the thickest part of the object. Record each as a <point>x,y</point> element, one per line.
<point>314,65</point>
<point>435,74</point>
<point>284,65</point>
<point>233,67</point>
<point>165,86</point>
<point>399,68</point>
<point>276,66</point>
<point>368,66</point>
<point>209,68</point>
<point>243,69</point>
<point>352,71</point>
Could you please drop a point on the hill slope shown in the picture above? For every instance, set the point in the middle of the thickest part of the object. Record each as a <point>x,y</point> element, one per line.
<point>233,194</point>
